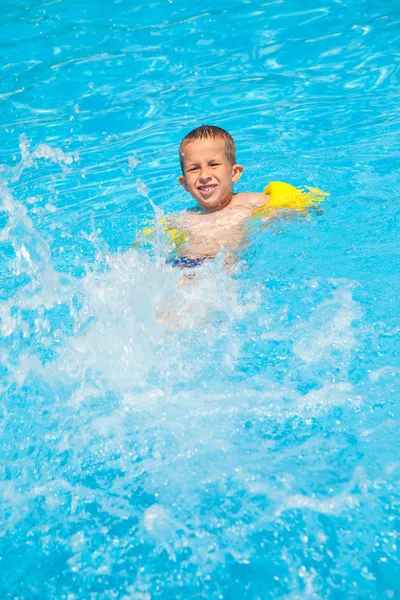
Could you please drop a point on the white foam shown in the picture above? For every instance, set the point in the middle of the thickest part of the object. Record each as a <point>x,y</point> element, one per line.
<point>329,328</point>
<point>330,394</point>
<point>387,371</point>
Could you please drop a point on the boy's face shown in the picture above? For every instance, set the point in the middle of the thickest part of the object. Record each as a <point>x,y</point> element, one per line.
<point>209,176</point>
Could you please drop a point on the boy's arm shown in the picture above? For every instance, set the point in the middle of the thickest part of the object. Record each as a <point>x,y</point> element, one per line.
<point>262,210</point>
<point>182,222</point>
<point>252,199</point>
<point>260,200</point>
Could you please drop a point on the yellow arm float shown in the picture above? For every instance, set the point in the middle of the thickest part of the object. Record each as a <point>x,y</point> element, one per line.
<point>285,196</point>
<point>176,237</point>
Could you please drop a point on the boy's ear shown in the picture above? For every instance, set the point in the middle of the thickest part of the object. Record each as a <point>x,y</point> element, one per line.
<point>182,181</point>
<point>237,171</point>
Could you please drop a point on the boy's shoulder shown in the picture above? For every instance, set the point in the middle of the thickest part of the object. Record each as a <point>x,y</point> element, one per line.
<point>249,200</point>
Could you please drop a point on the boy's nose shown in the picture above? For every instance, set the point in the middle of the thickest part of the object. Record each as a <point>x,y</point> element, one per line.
<point>204,176</point>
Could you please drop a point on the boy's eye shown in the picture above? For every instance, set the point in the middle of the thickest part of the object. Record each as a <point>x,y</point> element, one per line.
<point>192,169</point>
<point>214,164</point>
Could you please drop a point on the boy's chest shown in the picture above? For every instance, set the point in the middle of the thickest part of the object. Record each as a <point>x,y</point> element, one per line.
<point>218,223</point>
<point>211,232</point>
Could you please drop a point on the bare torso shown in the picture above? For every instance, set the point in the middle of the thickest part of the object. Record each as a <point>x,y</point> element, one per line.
<point>209,233</point>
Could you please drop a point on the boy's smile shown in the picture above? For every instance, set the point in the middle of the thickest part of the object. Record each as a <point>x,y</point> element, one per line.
<point>209,176</point>
<point>207,189</point>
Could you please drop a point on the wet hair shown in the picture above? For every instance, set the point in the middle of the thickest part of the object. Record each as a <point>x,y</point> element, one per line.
<point>209,131</point>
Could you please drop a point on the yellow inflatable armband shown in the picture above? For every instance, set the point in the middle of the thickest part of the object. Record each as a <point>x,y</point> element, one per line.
<point>285,196</point>
<point>176,237</point>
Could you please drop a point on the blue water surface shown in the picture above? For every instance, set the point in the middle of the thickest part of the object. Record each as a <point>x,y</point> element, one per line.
<point>237,437</point>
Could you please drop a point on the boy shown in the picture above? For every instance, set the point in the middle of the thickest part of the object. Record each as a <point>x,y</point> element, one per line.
<point>209,170</point>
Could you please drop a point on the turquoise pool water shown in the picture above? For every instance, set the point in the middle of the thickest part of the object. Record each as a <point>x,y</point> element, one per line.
<point>252,450</point>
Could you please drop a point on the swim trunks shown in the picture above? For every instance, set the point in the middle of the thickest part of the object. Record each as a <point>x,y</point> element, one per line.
<point>184,262</point>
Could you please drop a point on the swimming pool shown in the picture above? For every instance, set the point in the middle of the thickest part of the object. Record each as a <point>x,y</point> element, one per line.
<point>251,450</point>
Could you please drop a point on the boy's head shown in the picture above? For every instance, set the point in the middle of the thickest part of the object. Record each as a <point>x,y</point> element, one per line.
<point>208,161</point>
